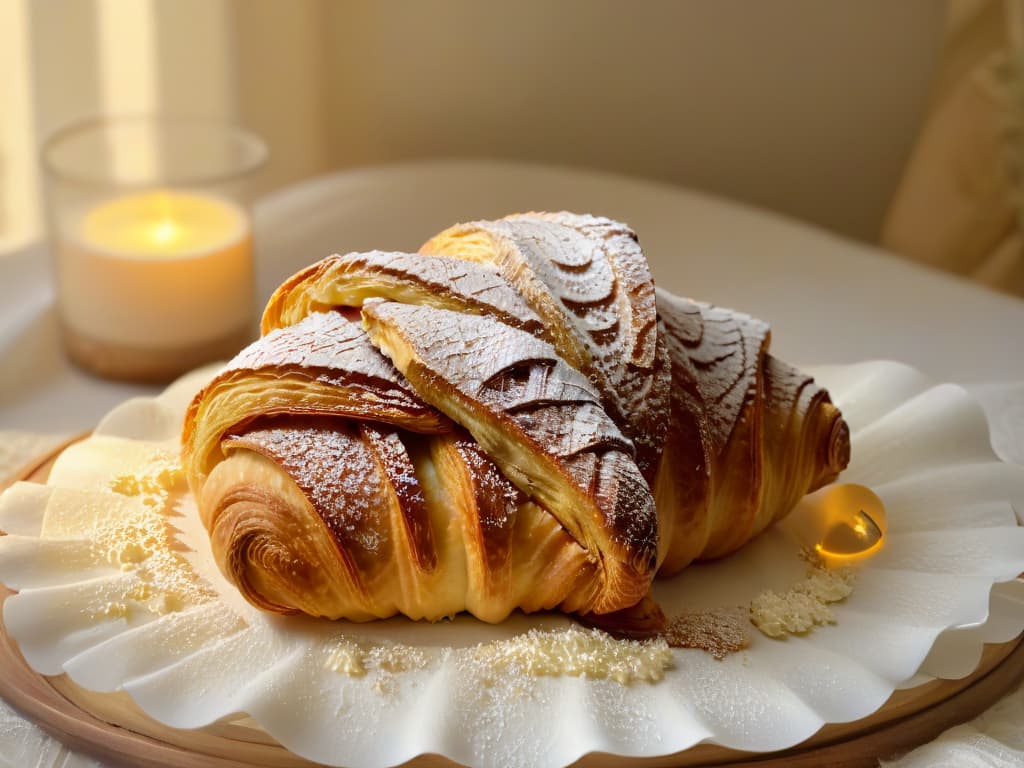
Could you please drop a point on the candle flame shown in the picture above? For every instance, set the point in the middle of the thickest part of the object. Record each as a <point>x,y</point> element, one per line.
<point>165,232</point>
<point>163,224</point>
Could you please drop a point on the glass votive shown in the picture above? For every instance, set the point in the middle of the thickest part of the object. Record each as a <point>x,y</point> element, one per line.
<point>152,242</point>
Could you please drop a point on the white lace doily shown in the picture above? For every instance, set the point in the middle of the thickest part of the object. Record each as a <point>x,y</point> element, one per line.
<point>923,448</point>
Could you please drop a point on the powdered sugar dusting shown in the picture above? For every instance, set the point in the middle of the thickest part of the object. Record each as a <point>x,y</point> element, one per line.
<point>591,273</point>
<point>140,544</point>
<point>577,652</point>
<point>396,466</point>
<point>516,416</point>
<point>478,287</point>
<point>329,460</point>
<point>716,351</point>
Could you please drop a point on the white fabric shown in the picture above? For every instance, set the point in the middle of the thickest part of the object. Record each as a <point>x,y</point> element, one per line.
<point>24,744</point>
<point>993,740</point>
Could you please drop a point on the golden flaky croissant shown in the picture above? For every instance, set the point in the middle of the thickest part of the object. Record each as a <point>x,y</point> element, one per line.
<point>511,418</point>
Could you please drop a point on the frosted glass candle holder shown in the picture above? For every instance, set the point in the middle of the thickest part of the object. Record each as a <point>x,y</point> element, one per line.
<point>152,240</point>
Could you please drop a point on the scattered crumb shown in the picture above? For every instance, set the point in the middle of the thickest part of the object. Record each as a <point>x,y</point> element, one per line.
<point>577,652</point>
<point>717,632</point>
<point>140,545</point>
<point>804,606</point>
<point>346,657</point>
<point>574,651</point>
<point>112,610</point>
<point>829,586</point>
<point>161,475</point>
<point>355,659</point>
<point>397,658</point>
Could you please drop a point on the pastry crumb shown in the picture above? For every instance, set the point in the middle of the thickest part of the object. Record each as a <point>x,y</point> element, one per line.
<point>718,632</point>
<point>804,606</point>
<point>138,542</point>
<point>356,659</point>
<point>346,657</point>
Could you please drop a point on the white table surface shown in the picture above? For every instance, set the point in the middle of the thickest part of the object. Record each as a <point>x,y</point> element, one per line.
<point>829,300</point>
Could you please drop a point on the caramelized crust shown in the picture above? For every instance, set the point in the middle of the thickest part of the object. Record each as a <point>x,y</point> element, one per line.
<point>335,468</point>
<point>525,423</point>
<point>325,365</point>
<point>392,460</point>
<point>409,278</point>
<point>542,424</point>
<point>588,280</point>
<point>742,433</point>
<point>270,541</point>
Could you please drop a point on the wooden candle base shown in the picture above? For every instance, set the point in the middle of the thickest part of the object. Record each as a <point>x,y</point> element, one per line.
<point>145,364</point>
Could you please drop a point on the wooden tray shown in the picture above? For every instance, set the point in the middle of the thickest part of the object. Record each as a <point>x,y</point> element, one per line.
<point>121,734</point>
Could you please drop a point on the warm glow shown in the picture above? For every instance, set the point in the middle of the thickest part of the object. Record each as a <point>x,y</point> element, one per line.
<point>165,231</point>
<point>163,223</point>
<point>168,269</point>
<point>853,521</point>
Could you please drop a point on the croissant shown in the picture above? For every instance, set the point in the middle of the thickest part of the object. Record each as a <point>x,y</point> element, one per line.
<point>513,418</point>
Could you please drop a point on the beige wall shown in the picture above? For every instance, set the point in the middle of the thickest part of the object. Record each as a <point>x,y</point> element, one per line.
<point>807,107</point>
<point>804,106</point>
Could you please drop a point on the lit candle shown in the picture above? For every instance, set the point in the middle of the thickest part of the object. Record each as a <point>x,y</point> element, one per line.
<point>154,283</point>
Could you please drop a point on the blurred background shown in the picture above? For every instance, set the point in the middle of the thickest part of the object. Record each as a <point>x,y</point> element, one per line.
<point>891,123</point>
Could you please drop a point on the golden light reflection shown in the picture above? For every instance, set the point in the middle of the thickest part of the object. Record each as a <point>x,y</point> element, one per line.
<point>854,523</point>
<point>165,231</point>
<point>163,224</point>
